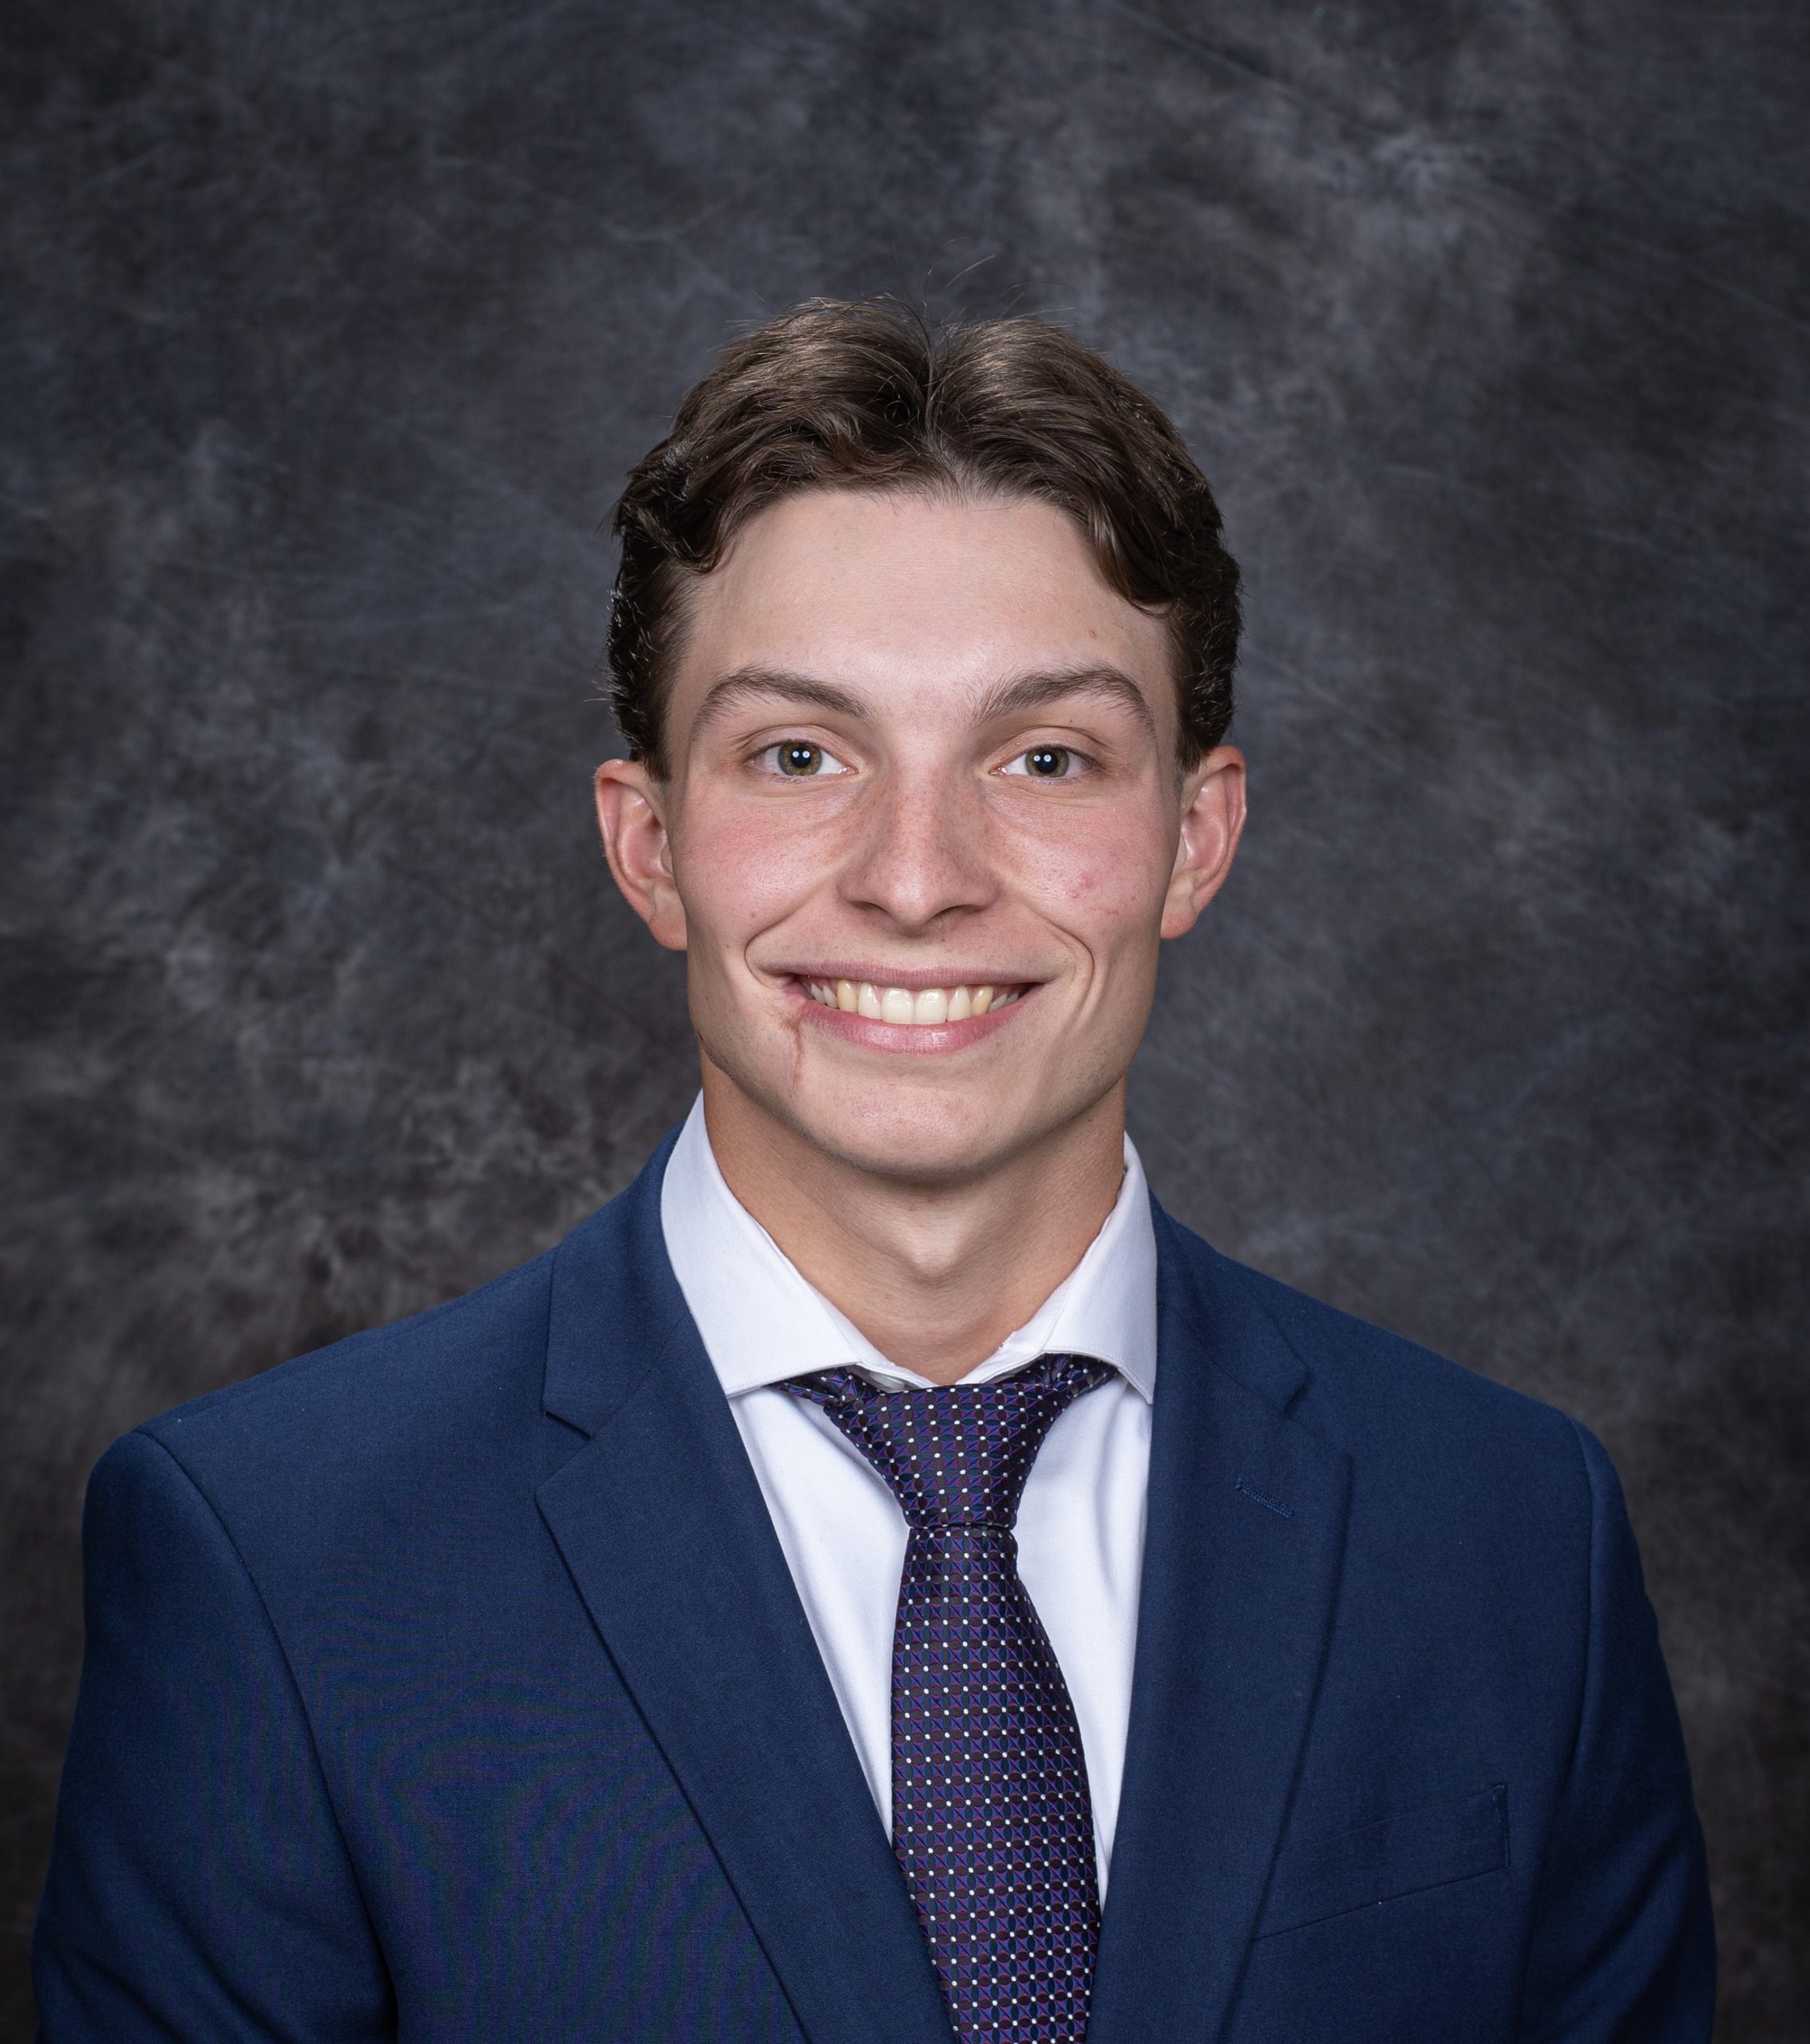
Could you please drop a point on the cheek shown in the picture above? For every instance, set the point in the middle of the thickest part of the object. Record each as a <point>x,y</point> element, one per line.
<point>1105,886</point>
<point>739,871</point>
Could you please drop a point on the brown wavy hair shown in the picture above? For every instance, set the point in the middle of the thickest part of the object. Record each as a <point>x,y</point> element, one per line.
<point>869,396</point>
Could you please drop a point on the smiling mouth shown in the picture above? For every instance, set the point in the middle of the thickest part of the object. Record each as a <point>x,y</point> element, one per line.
<point>921,1008</point>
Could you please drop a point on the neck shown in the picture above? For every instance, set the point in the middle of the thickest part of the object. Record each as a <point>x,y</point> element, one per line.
<point>936,1277</point>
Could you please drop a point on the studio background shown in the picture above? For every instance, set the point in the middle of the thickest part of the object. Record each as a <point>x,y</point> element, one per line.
<point>334,329</point>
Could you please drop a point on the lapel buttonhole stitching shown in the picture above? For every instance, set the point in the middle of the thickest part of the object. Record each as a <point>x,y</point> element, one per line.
<point>1263,1497</point>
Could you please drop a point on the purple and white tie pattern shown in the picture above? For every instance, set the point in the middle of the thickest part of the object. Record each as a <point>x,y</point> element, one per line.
<point>991,1819</point>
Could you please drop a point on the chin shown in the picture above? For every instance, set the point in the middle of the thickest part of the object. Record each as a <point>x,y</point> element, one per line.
<point>924,1153</point>
<point>917,1134</point>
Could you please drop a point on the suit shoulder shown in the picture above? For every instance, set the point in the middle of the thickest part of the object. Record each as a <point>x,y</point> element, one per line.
<point>1378,1393</point>
<point>1379,1364</point>
<point>450,1360</point>
<point>1450,1459</point>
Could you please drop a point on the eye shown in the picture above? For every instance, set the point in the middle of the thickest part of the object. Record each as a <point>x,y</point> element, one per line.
<point>1043,763</point>
<point>799,760</point>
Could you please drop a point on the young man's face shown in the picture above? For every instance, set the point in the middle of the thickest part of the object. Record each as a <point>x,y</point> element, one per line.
<point>923,833</point>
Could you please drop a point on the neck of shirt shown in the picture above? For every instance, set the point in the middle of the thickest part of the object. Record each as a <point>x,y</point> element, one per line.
<point>762,1321</point>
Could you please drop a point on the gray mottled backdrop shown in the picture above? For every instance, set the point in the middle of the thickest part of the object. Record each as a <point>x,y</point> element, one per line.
<point>333,328</point>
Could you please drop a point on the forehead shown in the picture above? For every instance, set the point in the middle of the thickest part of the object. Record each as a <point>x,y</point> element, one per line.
<point>914,600</point>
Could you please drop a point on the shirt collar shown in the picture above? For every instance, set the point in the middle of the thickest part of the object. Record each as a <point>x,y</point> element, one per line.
<point>762,1321</point>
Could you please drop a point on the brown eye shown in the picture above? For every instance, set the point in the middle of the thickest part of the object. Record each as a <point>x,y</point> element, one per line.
<point>799,759</point>
<point>1048,763</point>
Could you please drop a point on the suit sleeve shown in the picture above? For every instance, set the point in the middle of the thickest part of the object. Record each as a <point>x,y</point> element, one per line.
<point>198,1886</point>
<point>1623,1951</point>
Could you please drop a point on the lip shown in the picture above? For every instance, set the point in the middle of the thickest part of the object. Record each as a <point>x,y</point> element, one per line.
<point>923,1038</point>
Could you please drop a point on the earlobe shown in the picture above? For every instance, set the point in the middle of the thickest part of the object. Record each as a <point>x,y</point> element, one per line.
<point>1212,820</point>
<point>631,817</point>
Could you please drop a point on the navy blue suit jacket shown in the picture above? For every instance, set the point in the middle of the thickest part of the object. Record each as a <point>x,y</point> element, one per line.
<point>449,1684</point>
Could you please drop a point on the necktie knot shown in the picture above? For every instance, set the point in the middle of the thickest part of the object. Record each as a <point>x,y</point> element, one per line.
<point>958,1454</point>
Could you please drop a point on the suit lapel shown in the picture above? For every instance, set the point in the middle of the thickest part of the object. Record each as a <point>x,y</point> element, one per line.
<point>1246,1532</point>
<point>662,1526</point>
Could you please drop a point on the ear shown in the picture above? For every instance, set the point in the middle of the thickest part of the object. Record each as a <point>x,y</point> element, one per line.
<point>1213,820</point>
<point>631,816</point>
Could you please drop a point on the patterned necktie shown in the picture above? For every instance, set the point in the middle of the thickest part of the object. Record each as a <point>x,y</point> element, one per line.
<point>992,1821</point>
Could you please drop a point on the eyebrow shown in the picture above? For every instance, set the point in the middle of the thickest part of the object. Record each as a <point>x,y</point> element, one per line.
<point>1038,692</point>
<point>775,685</point>
<point>1005,699</point>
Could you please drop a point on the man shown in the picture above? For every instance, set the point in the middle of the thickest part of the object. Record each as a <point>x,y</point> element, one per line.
<point>881,1578</point>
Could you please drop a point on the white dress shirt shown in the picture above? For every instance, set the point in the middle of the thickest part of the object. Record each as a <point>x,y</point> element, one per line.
<point>1081,1524</point>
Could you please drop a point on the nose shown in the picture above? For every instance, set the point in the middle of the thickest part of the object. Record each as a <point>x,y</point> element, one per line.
<point>921,860</point>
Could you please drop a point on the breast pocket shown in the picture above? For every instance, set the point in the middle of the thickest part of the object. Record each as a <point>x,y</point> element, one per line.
<point>1430,1846</point>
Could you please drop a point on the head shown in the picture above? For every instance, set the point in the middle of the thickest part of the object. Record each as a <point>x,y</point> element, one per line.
<point>922,644</point>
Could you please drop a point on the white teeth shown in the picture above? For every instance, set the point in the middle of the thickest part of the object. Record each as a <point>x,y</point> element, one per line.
<point>924,1009</point>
